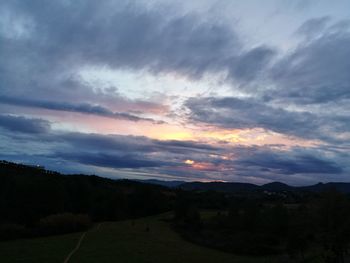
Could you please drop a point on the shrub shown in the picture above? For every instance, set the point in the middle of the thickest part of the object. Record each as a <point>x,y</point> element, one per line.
<point>12,231</point>
<point>64,223</point>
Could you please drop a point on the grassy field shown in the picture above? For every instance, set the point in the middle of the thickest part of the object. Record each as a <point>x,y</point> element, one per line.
<point>51,250</point>
<point>144,240</point>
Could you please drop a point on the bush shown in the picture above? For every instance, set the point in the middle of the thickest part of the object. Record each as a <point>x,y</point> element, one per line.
<point>64,223</point>
<point>12,231</point>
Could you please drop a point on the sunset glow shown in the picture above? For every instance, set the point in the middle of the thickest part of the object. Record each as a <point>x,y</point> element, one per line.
<point>133,92</point>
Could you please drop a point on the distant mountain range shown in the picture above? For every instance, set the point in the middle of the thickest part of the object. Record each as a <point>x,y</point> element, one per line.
<point>231,187</point>
<point>273,187</point>
<point>170,184</point>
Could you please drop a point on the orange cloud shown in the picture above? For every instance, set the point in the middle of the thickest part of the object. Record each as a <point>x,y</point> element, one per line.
<point>167,131</point>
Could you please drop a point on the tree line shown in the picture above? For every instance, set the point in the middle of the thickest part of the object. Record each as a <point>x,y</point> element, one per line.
<point>316,229</point>
<point>33,200</point>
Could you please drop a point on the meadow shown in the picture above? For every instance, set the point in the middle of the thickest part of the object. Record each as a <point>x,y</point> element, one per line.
<point>144,240</point>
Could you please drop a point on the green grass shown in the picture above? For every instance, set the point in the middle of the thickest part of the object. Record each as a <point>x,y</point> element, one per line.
<point>209,213</point>
<point>131,243</point>
<point>37,250</point>
<point>125,242</point>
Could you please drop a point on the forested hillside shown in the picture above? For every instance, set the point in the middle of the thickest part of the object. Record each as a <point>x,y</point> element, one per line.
<point>29,194</point>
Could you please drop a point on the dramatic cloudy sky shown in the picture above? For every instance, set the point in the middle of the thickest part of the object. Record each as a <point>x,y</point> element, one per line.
<point>190,90</point>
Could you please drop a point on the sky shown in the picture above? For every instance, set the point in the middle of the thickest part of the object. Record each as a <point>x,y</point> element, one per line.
<point>199,90</point>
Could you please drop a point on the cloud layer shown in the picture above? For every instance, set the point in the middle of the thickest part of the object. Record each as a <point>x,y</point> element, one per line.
<point>168,158</point>
<point>52,115</point>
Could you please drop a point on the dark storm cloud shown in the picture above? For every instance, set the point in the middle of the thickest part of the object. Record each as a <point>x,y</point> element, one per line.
<point>127,151</point>
<point>230,112</point>
<point>84,108</point>
<point>297,165</point>
<point>124,35</point>
<point>112,151</point>
<point>111,161</point>
<point>310,97</point>
<point>19,124</point>
<point>136,144</point>
<point>186,145</point>
<point>251,63</point>
<point>318,70</point>
<point>134,151</point>
<point>236,113</point>
<point>67,35</point>
<point>167,157</point>
<point>60,38</point>
<point>286,163</point>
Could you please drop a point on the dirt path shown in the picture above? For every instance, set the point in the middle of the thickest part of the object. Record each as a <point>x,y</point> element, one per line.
<point>78,245</point>
<point>75,249</point>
